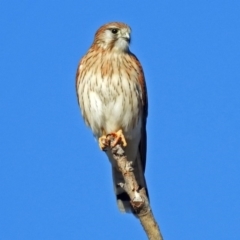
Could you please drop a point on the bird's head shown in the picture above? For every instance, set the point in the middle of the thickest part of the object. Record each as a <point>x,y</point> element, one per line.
<point>113,36</point>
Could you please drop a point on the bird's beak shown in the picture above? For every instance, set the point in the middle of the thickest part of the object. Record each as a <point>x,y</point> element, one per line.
<point>126,36</point>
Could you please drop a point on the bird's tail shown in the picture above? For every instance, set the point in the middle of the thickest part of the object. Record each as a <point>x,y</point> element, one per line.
<point>123,199</point>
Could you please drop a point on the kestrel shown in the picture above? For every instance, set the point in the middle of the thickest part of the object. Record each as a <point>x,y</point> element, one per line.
<point>112,95</point>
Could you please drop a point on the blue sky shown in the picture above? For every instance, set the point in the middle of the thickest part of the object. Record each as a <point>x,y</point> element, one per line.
<point>191,57</point>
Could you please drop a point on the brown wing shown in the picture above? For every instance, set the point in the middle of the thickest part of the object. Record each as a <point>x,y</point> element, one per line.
<point>143,142</point>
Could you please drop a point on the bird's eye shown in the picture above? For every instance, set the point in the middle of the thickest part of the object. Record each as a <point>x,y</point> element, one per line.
<point>114,30</point>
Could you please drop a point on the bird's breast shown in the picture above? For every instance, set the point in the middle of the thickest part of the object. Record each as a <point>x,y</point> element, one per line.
<point>111,101</point>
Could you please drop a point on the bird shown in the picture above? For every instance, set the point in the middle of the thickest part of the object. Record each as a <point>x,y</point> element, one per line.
<point>112,95</point>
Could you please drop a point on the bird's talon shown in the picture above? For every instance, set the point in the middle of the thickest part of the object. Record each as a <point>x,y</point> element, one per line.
<point>103,143</point>
<point>118,137</point>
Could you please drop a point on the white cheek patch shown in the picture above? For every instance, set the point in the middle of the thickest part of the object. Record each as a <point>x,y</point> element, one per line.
<point>108,37</point>
<point>121,44</point>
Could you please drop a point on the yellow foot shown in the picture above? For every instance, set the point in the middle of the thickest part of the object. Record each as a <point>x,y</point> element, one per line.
<point>118,137</point>
<point>103,142</point>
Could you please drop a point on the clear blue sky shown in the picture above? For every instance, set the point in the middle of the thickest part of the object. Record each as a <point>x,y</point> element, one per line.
<point>190,52</point>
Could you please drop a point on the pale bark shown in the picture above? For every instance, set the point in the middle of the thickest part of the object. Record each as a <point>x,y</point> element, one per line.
<point>138,196</point>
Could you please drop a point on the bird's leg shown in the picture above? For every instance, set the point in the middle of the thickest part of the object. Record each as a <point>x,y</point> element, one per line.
<point>103,141</point>
<point>118,137</point>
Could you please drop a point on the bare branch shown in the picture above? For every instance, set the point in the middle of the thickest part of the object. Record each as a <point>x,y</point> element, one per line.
<point>139,200</point>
